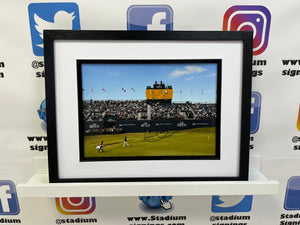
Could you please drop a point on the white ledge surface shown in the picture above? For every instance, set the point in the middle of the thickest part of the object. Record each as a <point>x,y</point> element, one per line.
<point>39,186</point>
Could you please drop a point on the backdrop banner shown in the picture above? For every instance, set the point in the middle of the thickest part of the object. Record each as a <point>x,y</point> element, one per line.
<point>275,112</point>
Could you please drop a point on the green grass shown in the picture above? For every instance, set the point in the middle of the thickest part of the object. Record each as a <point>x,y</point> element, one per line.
<point>193,142</point>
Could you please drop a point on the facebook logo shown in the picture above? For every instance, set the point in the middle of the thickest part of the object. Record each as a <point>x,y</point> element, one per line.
<point>292,195</point>
<point>8,197</point>
<point>255,112</point>
<point>150,17</point>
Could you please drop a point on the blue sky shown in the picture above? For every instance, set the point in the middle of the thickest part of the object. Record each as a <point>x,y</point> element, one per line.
<point>195,82</point>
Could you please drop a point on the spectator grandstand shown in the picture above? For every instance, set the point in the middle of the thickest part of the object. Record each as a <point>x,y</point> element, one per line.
<point>143,110</point>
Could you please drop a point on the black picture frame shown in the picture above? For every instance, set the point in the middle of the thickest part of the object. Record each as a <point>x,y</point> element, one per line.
<point>60,42</point>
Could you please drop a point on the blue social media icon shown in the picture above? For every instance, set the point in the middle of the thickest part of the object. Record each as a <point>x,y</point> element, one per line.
<point>154,201</point>
<point>53,16</point>
<point>221,204</point>
<point>150,17</point>
<point>42,111</point>
<point>292,194</point>
<point>255,111</point>
<point>8,197</point>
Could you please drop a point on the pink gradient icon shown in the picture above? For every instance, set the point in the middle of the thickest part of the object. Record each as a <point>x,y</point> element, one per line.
<point>298,120</point>
<point>75,205</point>
<point>250,18</point>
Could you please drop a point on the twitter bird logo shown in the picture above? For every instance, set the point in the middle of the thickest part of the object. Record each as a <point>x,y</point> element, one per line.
<point>231,203</point>
<point>54,16</point>
<point>62,20</point>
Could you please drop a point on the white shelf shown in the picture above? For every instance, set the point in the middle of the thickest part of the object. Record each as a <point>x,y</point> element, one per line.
<point>39,186</point>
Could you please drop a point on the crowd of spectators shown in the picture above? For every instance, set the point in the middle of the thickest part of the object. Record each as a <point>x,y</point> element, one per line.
<point>141,110</point>
<point>125,110</point>
<point>122,110</point>
<point>93,111</point>
<point>204,111</point>
<point>169,111</point>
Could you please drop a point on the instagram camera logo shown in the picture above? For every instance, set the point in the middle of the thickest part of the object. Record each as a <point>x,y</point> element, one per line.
<point>53,16</point>
<point>8,198</point>
<point>150,17</point>
<point>255,112</point>
<point>250,18</point>
<point>75,205</point>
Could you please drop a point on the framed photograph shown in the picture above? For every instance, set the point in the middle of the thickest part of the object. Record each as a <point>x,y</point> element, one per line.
<point>148,106</point>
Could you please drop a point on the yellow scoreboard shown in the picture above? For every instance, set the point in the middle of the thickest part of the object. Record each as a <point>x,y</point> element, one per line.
<point>159,92</point>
